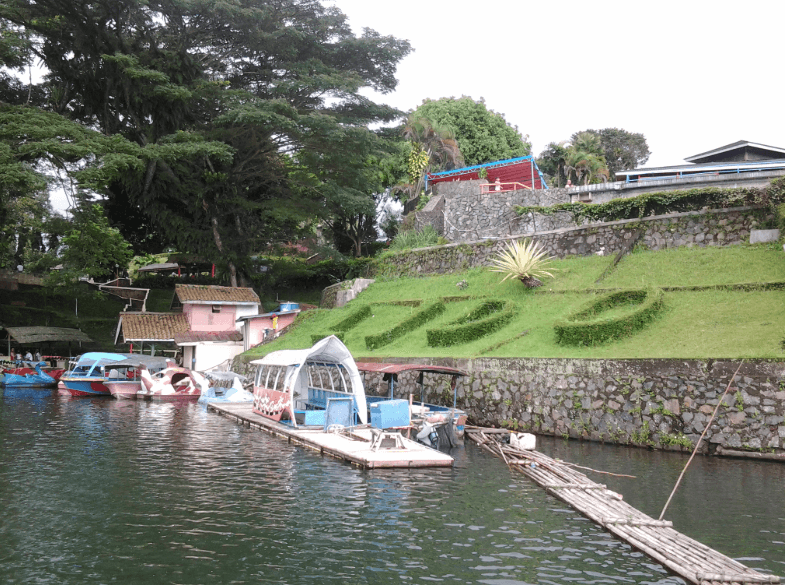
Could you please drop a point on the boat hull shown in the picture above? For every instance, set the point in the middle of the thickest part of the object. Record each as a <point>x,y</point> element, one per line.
<point>84,386</point>
<point>26,378</point>
<point>124,390</point>
<point>176,397</point>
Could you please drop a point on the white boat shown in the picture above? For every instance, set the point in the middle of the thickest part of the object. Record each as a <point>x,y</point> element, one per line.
<point>173,383</point>
<point>296,385</point>
<point>315,397</point>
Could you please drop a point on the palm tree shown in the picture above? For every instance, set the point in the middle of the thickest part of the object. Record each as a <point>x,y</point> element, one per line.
<point>585,166</point>
<point>433,146</point>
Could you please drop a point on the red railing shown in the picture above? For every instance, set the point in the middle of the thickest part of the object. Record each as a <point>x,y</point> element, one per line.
<point>499,187</point>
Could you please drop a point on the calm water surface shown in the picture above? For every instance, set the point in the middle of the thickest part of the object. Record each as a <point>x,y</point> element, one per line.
<point>96,490</point>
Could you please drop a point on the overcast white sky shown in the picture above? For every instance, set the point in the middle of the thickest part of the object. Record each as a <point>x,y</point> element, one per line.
<point>690,75</point>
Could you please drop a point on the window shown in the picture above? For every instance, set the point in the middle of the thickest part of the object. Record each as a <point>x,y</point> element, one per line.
<point>216,308</point>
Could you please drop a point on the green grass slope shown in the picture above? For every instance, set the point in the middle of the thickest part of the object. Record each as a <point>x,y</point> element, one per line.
<point>705,315</point>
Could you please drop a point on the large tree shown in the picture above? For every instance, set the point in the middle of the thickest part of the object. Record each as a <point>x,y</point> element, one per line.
<point>622,150</point>
<point>482,134</point>
<point>237,108</point>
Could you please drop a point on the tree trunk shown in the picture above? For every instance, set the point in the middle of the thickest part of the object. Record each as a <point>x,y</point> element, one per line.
<point>219,245</point>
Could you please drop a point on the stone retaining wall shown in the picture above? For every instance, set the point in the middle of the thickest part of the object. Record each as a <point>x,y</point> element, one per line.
<point>468,215</point>
<point>716,227</point>
<point>656,403</point>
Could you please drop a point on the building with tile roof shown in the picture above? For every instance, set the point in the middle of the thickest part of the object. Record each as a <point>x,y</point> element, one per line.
<point>208,331</point>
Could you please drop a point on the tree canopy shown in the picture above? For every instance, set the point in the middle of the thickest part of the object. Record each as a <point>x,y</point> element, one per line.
<point>482,134</point>
<point>622,150</point>
<point>232,123</point>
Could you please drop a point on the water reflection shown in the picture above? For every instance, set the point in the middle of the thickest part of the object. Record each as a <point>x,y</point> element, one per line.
<point>98,490</point>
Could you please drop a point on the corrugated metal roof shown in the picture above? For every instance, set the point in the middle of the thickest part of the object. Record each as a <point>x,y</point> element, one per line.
<point>166,266</point>
<point>705,167</point>
<point>202,293</point>
<point>41,334</point>
<point>152,326</point>
<point>775,151</point>
<point>197,336</point>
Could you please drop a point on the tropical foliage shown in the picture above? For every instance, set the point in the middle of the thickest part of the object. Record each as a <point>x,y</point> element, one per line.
<point>593,156</point>
<point>230,124</point>
<point>523,260</point>
<point>622,150</point>
<point>432,147</point>
<point>482,134</point>
<point>422,238</point>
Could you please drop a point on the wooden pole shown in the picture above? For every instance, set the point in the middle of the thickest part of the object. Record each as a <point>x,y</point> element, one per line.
<point>697,445</point>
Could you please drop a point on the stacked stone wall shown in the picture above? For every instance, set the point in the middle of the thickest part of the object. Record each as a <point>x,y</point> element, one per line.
<point>718,227</point>
<point>653,403</point>
<point>470,215</point>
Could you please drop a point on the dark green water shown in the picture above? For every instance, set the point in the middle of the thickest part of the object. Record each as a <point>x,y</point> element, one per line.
<point>96,490</point>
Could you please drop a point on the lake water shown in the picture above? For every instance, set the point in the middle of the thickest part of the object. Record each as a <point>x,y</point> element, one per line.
<point>96,490</point>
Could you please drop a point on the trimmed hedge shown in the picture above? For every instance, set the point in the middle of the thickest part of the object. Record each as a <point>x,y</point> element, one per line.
<point>319,336</point>
<point>403,303</point>
<point>419,319</point>
<point>490,316</point>
<point>586,326</point>
<point>353,319</point>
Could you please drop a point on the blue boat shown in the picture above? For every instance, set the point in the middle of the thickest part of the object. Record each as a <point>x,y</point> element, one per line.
<point>40,379</point>
<point>89,375</point>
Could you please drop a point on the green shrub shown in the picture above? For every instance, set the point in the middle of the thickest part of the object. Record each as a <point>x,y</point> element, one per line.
<point>319,336</point>
<point>490,316</point>
<point>353,319</point>
<point>781,218</point>
<point>666,202</point>
<point>419,319</point>
<point>587,326</point>
<point>423,238</point>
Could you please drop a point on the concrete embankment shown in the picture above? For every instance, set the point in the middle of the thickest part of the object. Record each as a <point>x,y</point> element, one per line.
<point>648,402</point>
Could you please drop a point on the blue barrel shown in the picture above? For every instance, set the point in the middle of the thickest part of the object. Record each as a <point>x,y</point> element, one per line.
<point>288,307</point>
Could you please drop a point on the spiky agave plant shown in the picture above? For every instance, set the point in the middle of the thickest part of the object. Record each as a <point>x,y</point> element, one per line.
<point>525,261</point>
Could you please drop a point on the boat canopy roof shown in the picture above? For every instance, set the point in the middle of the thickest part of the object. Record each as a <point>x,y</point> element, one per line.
<point>328,351</point>
<point>151,362</point>
<point>398,368</point>
<point>97,359</point>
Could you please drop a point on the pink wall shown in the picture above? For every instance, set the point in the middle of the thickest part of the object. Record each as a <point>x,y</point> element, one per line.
<point>259,324</point>
<point>202,318</point>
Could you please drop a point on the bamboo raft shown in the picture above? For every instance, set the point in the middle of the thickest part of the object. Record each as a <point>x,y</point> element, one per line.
<point>688,558</point>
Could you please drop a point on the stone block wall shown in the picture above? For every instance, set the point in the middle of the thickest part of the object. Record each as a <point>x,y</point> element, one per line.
<point>717,227</point>
<point>654,403</point>
<point>469,215</point>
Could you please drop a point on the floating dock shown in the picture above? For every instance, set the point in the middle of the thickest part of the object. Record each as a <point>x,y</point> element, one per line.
<point>691,560</point>
<point>362,446</point>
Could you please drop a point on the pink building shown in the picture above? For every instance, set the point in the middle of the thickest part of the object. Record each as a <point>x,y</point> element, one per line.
<point>258,328</point>
<point>206,329</point>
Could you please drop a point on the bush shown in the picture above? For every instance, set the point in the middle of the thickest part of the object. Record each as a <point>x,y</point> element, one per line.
<point>490,316</point>
<point>353,319</point>
<point>423,238</point>
<point>586,326</point>
<point>316,337</point>
<point>667,202</point>
<point>419,319</point>
<point>781,219</point>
